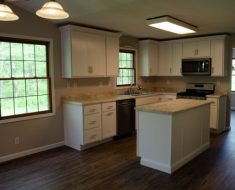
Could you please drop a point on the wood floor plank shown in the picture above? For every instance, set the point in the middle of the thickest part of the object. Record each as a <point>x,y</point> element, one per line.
<point>114,166</point>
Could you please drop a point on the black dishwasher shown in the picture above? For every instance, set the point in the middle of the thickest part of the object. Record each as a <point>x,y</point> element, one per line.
<point>125,117</point>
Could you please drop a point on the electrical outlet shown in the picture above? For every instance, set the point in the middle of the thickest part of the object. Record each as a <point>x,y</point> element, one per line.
<point>17,140</point>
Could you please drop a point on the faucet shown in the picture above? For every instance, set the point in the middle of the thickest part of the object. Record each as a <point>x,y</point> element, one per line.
<point>130,88</point>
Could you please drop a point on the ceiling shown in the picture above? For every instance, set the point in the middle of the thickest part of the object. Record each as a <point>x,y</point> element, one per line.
<point>129,16</point>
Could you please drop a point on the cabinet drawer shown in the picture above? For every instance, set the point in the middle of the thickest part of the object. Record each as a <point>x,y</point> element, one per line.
<point>108,106</point>
<point>92,135</point>
<point>91,109</point>
<point>92,121</point>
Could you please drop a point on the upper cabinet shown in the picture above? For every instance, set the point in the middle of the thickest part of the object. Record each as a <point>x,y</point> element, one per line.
<point>219,55</point>
<point>196,47</point>
<point>88,52</point>
<point>170,56</point>
<point>148,58</point>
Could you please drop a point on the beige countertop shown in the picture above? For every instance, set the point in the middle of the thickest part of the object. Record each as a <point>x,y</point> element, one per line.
<point>174,106</point>
<point>88,100</point>
<point>216,95</point>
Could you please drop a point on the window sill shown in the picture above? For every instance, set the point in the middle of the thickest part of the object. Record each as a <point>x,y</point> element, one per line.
<point>27,118</point>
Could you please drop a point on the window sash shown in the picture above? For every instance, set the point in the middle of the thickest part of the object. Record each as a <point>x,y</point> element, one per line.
<point>25,78</point>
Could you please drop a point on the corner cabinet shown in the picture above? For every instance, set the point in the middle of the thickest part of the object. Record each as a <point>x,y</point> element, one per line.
<point>88,52</point>
<point>148,58</point>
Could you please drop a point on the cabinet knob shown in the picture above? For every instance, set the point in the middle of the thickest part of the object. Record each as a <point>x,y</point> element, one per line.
<point>90,69</point>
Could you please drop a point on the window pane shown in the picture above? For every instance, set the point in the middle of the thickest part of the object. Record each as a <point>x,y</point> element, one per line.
<point>16,51</point>
<point>32,104</point>
<point>19,88</point>
<point>7,107</point>
<point>125,72</point>
<point>31,87</point>
<point>40,52</point>
<point>4,51</point>
<point>28,52</point>
<point>17,68</point>
<point>29,69</point>
<point>119,80</point>
<point>5,69</point>
<point>41,69</point>
<point>20,105</point>
<point>6,89</point>
<point>43,103</point>
<point>42,87</point>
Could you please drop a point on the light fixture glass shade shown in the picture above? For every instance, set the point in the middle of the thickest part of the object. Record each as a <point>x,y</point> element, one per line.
<point>52,10</point>
<point>171,24</point>
<point>6,14</point>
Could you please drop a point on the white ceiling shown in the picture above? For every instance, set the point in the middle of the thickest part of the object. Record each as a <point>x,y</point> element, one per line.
<point>129,16</point>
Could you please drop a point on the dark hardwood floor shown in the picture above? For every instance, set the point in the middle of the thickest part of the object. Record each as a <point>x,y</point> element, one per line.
<point>114,166</point>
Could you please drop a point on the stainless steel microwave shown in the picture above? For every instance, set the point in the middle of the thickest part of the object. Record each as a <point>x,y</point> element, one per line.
<point>196,67</point>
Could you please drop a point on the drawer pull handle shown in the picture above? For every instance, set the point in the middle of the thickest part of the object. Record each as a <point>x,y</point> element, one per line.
<point>109,114</point>
<point>109,107</point>
<point>92,110</point>
<point>93,122</point>
<point>93,136</point>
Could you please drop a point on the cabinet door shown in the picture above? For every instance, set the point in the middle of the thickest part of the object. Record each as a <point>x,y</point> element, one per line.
<point>165,62</point>
<point>203,48</point>
<point>96,55</point>
<point>213,117</point>
<point>112,55</point>
<point>177,59</point>
<point>189,49</point>
<point>148,58</point>
<point>108,124</point>
<point>79,42</point>
<point>217,57</point>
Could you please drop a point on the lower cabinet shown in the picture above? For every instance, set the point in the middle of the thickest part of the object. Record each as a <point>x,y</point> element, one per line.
<point>218,113</point>
<point>88,124</point>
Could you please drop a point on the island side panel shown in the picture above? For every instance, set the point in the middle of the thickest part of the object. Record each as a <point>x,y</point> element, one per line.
<point>154,140</point>
<point>190,135</point>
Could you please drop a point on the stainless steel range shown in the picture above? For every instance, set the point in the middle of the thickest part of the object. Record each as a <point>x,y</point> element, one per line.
<point>197,91</point>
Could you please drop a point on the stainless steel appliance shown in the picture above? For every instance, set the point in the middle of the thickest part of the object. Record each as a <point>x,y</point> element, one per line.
<point>196,67</point>
<point>125,117</point>
<point>197,91</point>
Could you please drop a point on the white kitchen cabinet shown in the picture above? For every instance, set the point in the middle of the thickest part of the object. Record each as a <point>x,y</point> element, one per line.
<point>170,56</point>
<point>112,55</point>
<point>148,58</point>
<point>108,120</point>
<point>88,52</point>
<point>84,125</point>
<point>218,56</point>
<point>196,48</point>
<point>218,113</point>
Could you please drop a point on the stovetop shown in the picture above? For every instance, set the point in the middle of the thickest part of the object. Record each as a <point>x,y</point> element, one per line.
<point>197,91</point>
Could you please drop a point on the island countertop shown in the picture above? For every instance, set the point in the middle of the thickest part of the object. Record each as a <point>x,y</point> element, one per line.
<point>174,106</point>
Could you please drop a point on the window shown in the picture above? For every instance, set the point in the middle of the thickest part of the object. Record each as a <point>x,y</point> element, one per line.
<point>24,78</point>
<point>233,75</point>
<point>127,73</point>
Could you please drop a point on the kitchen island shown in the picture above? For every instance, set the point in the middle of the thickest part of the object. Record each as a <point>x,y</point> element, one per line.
<point>170,134</point>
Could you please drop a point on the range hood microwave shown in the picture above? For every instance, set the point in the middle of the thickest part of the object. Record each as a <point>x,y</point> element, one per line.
<point>196,67</point>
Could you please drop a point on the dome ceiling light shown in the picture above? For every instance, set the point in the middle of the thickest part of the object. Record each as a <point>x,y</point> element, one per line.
<point>6,14</point>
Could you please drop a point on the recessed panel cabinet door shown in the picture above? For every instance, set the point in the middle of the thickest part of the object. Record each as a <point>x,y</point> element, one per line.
<point>165,62</point>
<point>96,59</point>
<point>108,124</point>
<point>79,53</point>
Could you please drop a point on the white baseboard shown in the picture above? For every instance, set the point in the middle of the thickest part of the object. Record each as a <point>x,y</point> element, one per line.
<point>156,165</point>
<point>30,151</point>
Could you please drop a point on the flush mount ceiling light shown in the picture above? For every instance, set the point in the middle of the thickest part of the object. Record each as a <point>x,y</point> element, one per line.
<point>6,14</point>
<point>52,10</point>
<point>171,24</point>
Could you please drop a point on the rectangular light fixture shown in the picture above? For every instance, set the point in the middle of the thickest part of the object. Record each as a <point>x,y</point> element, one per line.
<point>171,24</point>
